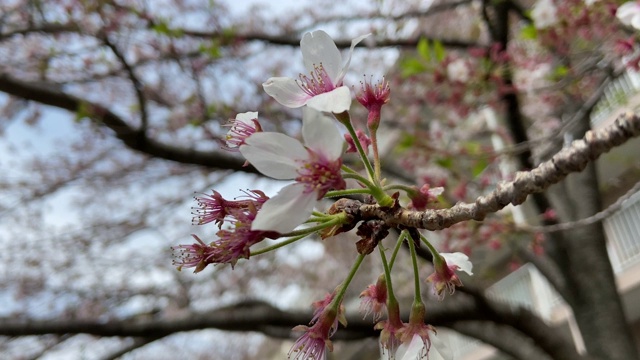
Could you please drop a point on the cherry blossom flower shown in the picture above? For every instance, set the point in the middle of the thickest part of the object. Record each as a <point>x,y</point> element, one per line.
<point>243,126</point>
<point>458,71</point>
<point>373,97</point>
<point>196,255</point>
<point>315,340</point>
<point>374,299</point>
<point>544,14</point>
<point>416,349</point>
<point>214,208</point>
<point>420,199</point>
<point>417,338</point>
<point>322,89</point>
<point>233,243</point>
<point>629,14</point>
<point>444,276</point>
<point>365,141</point>
<point>390,328</point>
<point>315,168</point>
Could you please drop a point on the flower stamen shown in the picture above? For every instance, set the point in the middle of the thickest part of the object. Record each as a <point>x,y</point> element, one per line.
<point>320,175</point>
<point>318,82</point>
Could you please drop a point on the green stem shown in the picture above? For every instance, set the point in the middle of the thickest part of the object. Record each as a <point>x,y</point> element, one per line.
<point>387,275</point>
<point>381,197</point>
<point>416,274</point>
<point>366,182</point>
<point>344,118</point>
<point>335,303</point>
<point>347,169</point>
<point>336,193</point>
<point>278,245</point>
<point>376,156</point>
<point>337,219</point>
<point>401,238</point>
<point>432,249</point>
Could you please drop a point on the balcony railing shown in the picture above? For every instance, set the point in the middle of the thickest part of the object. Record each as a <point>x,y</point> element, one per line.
<point>623,234</point>
<point>616,95</point>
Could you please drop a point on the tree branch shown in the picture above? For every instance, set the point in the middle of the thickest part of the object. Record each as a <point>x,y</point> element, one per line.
<point>568,160</point>
<point>503,338</point>
<point>550,340</point>
<point>127,134</point>
<point>589,220</point>
<point>136,344</point>
<point>137,85</point>
<point>262,317</point>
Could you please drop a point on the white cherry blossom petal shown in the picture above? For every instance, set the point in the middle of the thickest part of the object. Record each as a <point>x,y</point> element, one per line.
<point>335,101</point>
<point>318,48</point>
<point>439,349</point>
<point>544,14</point>
<point>247,117</point>
<point>321,135</point>
<point>354,42</point>
<point>627,12</point>
<point>411,351</point>
<point>288,209</point>
<point>460,260</point>
<point>635,21</point>
<point>274,154</point>
<point>286,91</point>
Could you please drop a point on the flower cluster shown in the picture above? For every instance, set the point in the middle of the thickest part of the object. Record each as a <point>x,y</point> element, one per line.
<point>232,244</point>
<point>316,171</point>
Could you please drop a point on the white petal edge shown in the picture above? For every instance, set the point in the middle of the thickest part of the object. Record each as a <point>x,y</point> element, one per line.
<point>439,349</point>
<point>635,21</point>
<point>286,91</point>
<point>285,211</point>
<point>318,48</point>
<point>274,154</point>
<point>343,72</point>
<point>459,259</point>
<point>412,351</point>
<point>627,11</point>
<point>321,135</point>
<point>247,117</point>
<point>335,101</point>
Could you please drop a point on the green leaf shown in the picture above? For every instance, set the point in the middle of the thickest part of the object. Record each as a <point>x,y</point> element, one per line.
<point>406,142</point>
<point>83,111</point>
<point>412,66</point>
<point>529,32</point>
<point>446,162</point>
<point>163,28</point>
<point>479,167</point>
<point>560,71</point>
<point>212,50</point>
<point>423,49</point>
<point>473,147</point>
<point>439,50</point>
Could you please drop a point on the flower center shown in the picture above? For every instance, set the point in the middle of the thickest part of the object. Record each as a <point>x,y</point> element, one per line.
<point>239,132</point>
<point>318,82</point>
<point>320,175</point>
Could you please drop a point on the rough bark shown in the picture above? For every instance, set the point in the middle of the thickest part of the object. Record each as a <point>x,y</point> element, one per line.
<point>571,159</point>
